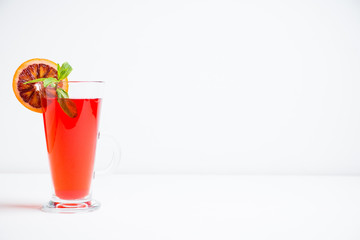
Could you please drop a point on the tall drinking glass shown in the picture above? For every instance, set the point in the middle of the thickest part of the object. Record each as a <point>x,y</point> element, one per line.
<point>71,131</point>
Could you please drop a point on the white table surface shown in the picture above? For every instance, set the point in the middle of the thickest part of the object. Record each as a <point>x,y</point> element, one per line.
<point>188,207</point>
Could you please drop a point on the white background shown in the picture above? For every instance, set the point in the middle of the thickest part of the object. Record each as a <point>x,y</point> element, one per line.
<point>197,86</point>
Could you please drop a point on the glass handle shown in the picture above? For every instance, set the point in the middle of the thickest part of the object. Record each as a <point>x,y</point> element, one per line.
<point>116,155</point>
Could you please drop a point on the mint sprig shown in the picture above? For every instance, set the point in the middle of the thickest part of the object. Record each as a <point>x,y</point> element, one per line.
<point>63,71</point>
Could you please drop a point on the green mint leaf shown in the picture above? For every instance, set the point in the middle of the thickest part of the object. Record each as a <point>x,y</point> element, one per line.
<point>68,106</point>
<point>42,80</point>
<point>49,81</point>
<point>61,93</point>
<point>35,80</point>
<point>64,71</point>
<point>58,67</point>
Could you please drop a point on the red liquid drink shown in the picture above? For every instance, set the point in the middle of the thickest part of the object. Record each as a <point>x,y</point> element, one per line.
<point>71,145</point>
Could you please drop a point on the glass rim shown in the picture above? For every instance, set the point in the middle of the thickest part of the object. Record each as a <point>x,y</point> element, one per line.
<point>77,81</point>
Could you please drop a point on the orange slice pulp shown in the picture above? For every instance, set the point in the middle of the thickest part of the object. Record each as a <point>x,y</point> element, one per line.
<point>29,94</point>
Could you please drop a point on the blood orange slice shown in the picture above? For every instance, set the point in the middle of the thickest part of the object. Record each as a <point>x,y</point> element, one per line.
<point>29,94</point>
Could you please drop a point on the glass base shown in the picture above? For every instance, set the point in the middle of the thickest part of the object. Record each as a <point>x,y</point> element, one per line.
<point>57,205</point>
